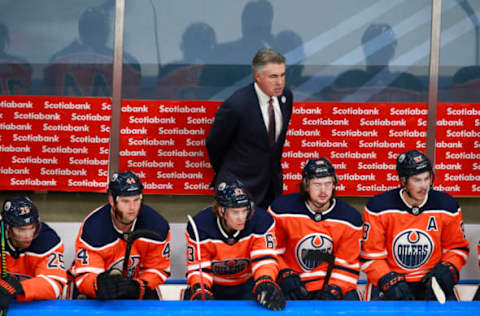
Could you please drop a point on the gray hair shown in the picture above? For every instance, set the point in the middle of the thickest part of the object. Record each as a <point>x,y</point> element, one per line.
<point>265,56</point>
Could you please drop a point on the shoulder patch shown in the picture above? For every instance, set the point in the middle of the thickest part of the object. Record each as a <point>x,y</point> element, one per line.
<point>288,204</point>
<point>343,211</point>
<point>206,222</point>
<point>46,240</point>
<point>97,229</point>
<point>151,220</point>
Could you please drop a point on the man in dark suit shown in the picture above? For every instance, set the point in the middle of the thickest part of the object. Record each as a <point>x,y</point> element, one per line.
<point>247,137</point>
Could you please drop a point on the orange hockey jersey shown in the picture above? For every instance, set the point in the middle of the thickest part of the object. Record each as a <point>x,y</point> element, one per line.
<point>411,240</point>
<point>337,231</point>
<point>231,260</point>
<point>101,247</point>
<point>40,267</point>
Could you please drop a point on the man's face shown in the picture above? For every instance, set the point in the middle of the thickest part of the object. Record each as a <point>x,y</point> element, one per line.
<point>235,218</point>
<point>271,79</point>
<point>417,187</point>
<point>126,208</point>
<point>22,236</point>
<point>320,191</point>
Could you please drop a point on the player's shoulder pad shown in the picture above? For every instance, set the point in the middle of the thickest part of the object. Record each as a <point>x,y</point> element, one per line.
<point>345,212</point>
<point>206,222</point>
<point>260,222</point>
<point>441,200</point>
<point>288,204</point>
<point>97,228</point>
<point>385,201</point>
<point>151,220</point>
<point>46,240</point>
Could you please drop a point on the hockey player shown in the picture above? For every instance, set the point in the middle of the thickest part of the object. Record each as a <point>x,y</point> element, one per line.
<point>32,255</point>
<point>237,251</point>
<point>101,244</point>
<point>318,238</point>
<point>412,234</point>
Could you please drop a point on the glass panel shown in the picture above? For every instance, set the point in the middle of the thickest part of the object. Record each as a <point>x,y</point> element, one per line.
<point>56,47</point>
<point>459,70</point>
<point>205,48</point>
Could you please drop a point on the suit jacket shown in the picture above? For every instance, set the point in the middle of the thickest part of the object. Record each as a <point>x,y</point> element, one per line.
<point>238,144</point>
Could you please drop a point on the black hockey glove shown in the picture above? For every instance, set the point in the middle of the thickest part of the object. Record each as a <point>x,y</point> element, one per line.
<point>331,293</point>
<point>268,294</point>
<point>314,257</point>
<point>394,286</point>
<point>114,286</point>
<point>292,286</point>
<point>9,289</point>
<point>446,275</point>
<point>197,293</point>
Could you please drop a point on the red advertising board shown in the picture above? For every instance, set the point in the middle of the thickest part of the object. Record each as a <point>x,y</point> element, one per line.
<point>59,143</point>
<point>54,143</point>
<point>457,152</point>
<point>164,143</point>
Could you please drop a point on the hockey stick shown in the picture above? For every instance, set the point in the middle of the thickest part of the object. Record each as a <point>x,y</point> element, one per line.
<point>3,312</point>
<point>437,291</point>
<point>318,257</point>
<point>132,236</point>
<point>4,259</point>
<point>328,258</point>
<point>197,241</point>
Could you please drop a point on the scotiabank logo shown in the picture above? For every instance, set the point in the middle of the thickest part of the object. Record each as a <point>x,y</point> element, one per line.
<point>412,248</point>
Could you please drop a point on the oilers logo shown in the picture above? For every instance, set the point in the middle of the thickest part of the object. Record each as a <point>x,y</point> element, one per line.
<point>132,265</point>
<point>412,248</point>
<point>310,249</point>
<point>230,266</point>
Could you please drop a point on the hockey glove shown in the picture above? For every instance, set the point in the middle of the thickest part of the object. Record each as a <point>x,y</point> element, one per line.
<point>9,289</point>
<point>292,286</point>
<point>114,286</point>
<point>446,275</point>
<point>331,293</point>
<point>197,293</point>
<point>394,286</point>
<point>268,294</point>
<point>314,257</point>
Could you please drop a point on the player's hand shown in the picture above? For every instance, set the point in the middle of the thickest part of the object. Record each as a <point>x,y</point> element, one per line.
<point>446,275</point>
<point>268,294</point>
<point>332,292</point>
<point>197,293</point>
<point>9,289</point>
<point>115,286</point>
<point>291,285</point>
<point>394,286</point>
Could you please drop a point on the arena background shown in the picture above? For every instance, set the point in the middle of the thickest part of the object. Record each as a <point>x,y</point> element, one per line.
<point>391,53</point>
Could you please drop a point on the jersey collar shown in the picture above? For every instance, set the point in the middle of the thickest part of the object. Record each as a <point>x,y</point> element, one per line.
<point>321,215</point>
<point>415,210</point>
<point>230,239</point>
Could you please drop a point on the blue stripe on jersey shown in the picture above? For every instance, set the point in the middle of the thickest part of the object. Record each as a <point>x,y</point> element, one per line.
<point>47,239</point>
<point>295,205</point>
<point>98,229</point>
<point>391,200</point>
<point>206,221</point>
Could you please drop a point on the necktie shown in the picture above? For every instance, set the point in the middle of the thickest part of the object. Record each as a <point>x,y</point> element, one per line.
<point>271,122</point>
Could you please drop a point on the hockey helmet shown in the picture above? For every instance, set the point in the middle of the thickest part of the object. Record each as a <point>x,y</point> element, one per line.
<point>318,168</point>
<point>411,163</point>
<point>124,184</point>
<point>232,194</point>
<point>19,212</point>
